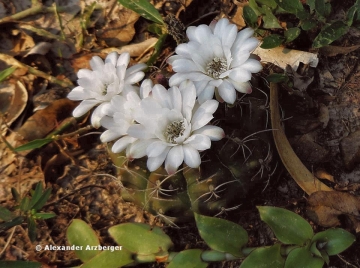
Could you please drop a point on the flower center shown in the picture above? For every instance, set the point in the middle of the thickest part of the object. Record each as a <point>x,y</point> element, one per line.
<point>174,130</point>
<point>104,90</point>
<point>216,67</point>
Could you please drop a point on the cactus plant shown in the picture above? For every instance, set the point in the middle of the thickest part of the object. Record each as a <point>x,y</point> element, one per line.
<point>229,169</point>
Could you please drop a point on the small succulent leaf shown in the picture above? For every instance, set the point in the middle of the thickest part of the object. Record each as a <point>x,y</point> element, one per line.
<point>33,144</point>
<point>320,8</point>
<point>212,231</point>
<point>307,25</point>
<point>190,258</point>
<point>5,214</point>
<point>20,264</point>
<point>325,256</point>
<point>272,41</point>
<point>255,7</point>
<point>44,216</point>
<point>250,16</point>
<point>270,21</point>
<point>314,250</point>
<point>291,34</point>
<point>277,78</point>
<point>144,8</point>
<point>79,233</point>
<point>270,3</point>
<point>288,227</point>
<point>330,33</point>
<point>24,204</point>
<point>291,6</point>
<point>15,194</point>
<point>42,200</point>
<point>8,224</point>
<point>157,49</point>
<point>337,240</point>
<point>264,257</point>
<point>110,259</point>
<point>311,4</point>
<point>351,14</point>
<point>141,238</point>
<point>301,257</point>
<point>31,228</point>
<point>6,73</point>
<point>35,196</point>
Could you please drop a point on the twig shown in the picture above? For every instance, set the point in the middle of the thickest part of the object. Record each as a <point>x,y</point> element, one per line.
<point>8,241</point>
<point>11,61</point>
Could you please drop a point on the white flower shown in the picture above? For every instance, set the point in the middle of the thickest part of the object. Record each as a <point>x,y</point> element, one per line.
<point>217,59</point>
<point>106,80</point>
<point>173,127</point>
<point>120,116</point>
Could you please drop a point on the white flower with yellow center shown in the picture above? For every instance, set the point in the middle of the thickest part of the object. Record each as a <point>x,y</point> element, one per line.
<point>106,79</point>
<point>173,127</point>
<point>217,59</point>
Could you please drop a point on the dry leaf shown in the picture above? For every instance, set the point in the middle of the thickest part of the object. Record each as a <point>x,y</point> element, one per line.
<point>332,51</point>
<point>324,208</point>
<point>302,176</point>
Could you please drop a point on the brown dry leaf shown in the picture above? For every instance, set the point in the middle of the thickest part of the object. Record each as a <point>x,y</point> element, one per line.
<point>134,50</point>
<point>13,100</point>
<point>324,208</point>
<point>332,51</point>
<point>44,121</point>
<point>323,174</point>
<point>121,31</point>
<point>302,176</point>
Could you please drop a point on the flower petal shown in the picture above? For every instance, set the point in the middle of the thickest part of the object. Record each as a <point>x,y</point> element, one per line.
<point>252,65</point>
<point>174,159</point>
<point>97,63</point>
<point>139,131</point>
<point>199,142</point>
<point>240,74</point>
<point>77,93</point>
<point>112,58</point>
<point>138,149</point>
<point>84,107</point>
<point>154,163</point>
<point>121,144</point>
<point>97,114</point>
<point>227,92</point>
<point>191,156</point>
<point>156,148</point>
<point>215,133</point>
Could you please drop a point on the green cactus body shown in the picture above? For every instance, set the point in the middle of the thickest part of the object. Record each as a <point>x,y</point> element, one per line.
<point>231,168</point>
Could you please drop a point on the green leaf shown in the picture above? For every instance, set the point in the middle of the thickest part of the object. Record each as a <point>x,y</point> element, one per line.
<point>351,14</point>
<point>5,214</point>
<point>7,225</point>
<point>31,228</point>
<point>320,7</point>
<point>36,195</point>
<point>141,238</point>
<point>277,78</point>
<point>301,257</point>
<point>270,21</point>
<point>250,16</point>
<point>272,41</point>
<point>291,34</point>
<point>307,25</point>
<point>212,230</point>
<point>24,204</point>
<point>288,227</point>
<point>110,259</point>
<point>270,3</point>
<point>330,33</point>
<point>311,4</point>
<point>292,6</point>
<point>144,9</point>
<point>264,257</point>
<point>190,258</point>
<point>157,29</point>
<point>42,200</point>
<point>157,49</point>
<point>15,194</point>
<point>336,240</point>
<point>20,264</point>
<point>82,235</point>
<point>255,7</point>
<point>33,144</point>
<point>44,216</point>
<point>6,73</point>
